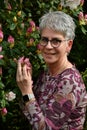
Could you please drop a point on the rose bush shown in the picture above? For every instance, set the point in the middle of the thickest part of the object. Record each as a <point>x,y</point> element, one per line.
<point>19,38</point>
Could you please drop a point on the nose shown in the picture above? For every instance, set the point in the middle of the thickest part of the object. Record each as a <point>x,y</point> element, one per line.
<point>49,45</point>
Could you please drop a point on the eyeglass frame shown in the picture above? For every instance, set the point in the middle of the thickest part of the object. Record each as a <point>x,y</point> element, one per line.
<point>56,40</point>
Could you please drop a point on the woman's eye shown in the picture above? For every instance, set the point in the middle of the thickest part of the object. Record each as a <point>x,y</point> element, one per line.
<point>44,40</point>
<point>56,41</point>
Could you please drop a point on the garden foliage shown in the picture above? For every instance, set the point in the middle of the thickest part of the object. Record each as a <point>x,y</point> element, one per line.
<point>19,36</point>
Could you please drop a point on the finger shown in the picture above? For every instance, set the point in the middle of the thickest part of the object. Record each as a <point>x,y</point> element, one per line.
<point>29,70</point>
<point>24,70</point>
<point>26,73</point>
<point>19,72</point>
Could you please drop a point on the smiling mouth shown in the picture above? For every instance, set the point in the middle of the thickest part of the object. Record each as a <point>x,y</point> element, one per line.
<point>49,54</point>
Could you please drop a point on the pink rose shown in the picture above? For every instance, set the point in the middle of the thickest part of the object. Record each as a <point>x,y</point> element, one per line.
<point>4,111</point>
<point>24,61</point>
<point>1,34</point>
<point>32,23</point>
<point>27,62</point>
<point>85,16</point>
<point>81,16</point>
<point>0,48</point>
<point>37,28</point>
<point>21,60</point>
<point>30,30</point>
<point>81,2</point>
<point>10,39</point>
<point>82,20</point>
<point>38,46</point>
<point>9,6</point>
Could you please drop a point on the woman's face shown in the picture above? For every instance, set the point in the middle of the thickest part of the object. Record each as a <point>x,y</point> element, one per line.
<point>52,54</point>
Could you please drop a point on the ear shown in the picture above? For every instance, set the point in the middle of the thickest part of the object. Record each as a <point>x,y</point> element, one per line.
<point>69,46</point>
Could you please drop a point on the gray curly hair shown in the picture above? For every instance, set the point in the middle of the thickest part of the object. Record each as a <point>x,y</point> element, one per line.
<point>60,22</point>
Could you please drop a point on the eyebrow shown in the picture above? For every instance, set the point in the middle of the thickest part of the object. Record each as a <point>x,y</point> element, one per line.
<point>52,38</point>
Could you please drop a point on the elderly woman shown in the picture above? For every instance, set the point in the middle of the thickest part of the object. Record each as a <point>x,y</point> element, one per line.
<point>58,100</point>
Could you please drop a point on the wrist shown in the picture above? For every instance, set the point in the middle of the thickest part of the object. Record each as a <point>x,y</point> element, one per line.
<point>26,92</point>
<point>28,97</point>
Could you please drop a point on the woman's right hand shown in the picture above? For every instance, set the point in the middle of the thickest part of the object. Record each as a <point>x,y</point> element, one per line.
<point>24,75</point>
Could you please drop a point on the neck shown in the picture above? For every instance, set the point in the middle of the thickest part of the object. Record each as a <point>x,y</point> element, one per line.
<point>57,68</point>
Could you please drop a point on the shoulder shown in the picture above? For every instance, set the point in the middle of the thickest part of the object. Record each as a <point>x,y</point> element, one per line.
<point>71,81</point>
<point>72,74</point>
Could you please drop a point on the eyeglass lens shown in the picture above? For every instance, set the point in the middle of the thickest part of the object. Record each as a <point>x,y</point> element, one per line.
<point>55,42</point>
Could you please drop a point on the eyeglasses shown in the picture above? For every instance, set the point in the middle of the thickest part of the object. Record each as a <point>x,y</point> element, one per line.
<point>55,42</point>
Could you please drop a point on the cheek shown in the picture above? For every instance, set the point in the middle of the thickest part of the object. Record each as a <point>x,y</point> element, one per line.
<point>63,48</point>
<point>61,52</point>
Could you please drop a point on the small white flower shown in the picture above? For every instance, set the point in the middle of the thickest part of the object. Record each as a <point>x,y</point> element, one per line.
<point>10,96</point>
<point>70,3</point>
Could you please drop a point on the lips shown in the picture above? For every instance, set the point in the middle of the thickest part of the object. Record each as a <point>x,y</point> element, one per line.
<point>49,54</point>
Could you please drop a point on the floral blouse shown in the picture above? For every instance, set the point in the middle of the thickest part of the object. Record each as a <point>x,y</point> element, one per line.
<point>60,102</point>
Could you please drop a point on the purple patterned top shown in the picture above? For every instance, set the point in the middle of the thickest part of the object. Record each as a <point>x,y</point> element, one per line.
<point>60,102</point>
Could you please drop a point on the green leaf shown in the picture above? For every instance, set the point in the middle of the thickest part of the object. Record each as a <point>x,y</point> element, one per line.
<point>3,103</point>
<point>13,26</point>
<point>2,62</point>
<point>83,30</point>
<point>1,85</point>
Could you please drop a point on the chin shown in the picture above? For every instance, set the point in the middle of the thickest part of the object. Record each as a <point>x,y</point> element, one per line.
<point>50,62</point>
